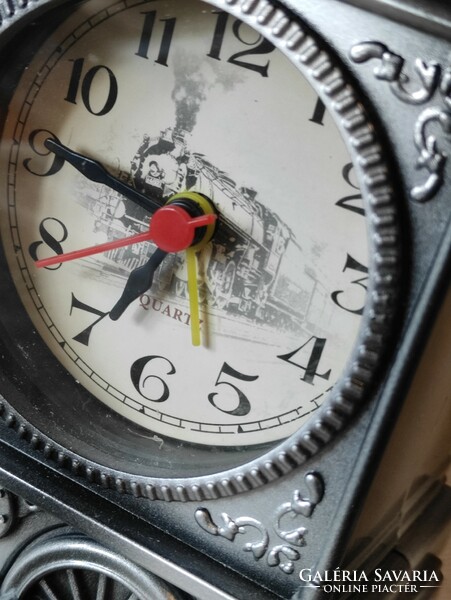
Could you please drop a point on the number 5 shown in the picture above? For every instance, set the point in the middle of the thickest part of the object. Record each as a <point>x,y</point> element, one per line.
<point>244,406</point>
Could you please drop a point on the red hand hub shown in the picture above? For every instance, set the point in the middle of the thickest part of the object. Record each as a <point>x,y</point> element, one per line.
<point>172,228</point>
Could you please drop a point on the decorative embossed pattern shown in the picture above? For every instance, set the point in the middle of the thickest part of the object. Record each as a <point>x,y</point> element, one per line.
<point>429,81</point>
<point>279,555</point>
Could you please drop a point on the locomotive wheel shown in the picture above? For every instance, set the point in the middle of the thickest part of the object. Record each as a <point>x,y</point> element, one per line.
<point>69,565</point>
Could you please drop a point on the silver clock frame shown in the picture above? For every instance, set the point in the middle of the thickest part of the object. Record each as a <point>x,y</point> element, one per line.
<point>317,64</point>
<point>252,545</point>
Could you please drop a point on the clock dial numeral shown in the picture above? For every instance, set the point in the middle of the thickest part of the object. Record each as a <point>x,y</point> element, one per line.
<point>353,265</point>
<point>46,228</point>
<point>259,46</point>
<point>36,141</point>
<point>244,405</point>
<point>149,385</point>
<point>84,336</point>
<point>353,202</point>
<point>218,36</point>
<point>146,37</point>
<point>311,353</point>
<point>87,82</point>
<point>318,113</point>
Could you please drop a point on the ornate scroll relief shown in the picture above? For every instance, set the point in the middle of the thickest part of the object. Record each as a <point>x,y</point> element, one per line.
<point>7,512</point>
<point>282,555</point>
<point>12,510</point>
<point>431,78</point>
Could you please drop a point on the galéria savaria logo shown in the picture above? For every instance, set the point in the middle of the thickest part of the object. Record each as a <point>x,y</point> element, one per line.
<point>383,581</point>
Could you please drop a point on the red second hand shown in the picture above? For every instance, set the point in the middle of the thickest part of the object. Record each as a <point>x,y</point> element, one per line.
<point>60,258</point>
<point>172,230</point>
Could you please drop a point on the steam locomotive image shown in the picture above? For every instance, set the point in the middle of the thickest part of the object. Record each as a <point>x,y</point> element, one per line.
<point>254,267</point>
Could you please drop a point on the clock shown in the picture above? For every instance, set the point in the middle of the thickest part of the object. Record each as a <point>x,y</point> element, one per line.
<point>218,250</point>
<point>297,284</point>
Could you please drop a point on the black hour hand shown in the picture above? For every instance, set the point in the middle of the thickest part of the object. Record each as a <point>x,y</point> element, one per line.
<point>139,281</point>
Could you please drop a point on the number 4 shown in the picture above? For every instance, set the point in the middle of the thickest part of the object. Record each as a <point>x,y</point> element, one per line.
<point>312,356</point>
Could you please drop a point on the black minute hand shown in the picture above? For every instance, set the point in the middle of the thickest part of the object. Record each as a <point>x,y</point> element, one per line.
<point>94,171</point>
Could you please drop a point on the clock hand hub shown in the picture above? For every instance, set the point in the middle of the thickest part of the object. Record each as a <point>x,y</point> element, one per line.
<point>173,229</point>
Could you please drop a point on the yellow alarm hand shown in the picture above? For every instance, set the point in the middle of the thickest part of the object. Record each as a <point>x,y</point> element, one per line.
<point>193,295</point>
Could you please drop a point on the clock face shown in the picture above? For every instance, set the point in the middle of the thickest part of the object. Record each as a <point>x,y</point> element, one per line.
<point>174,96</point>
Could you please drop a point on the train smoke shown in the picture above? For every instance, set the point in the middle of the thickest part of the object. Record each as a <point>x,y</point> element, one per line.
<point>188,93</point>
